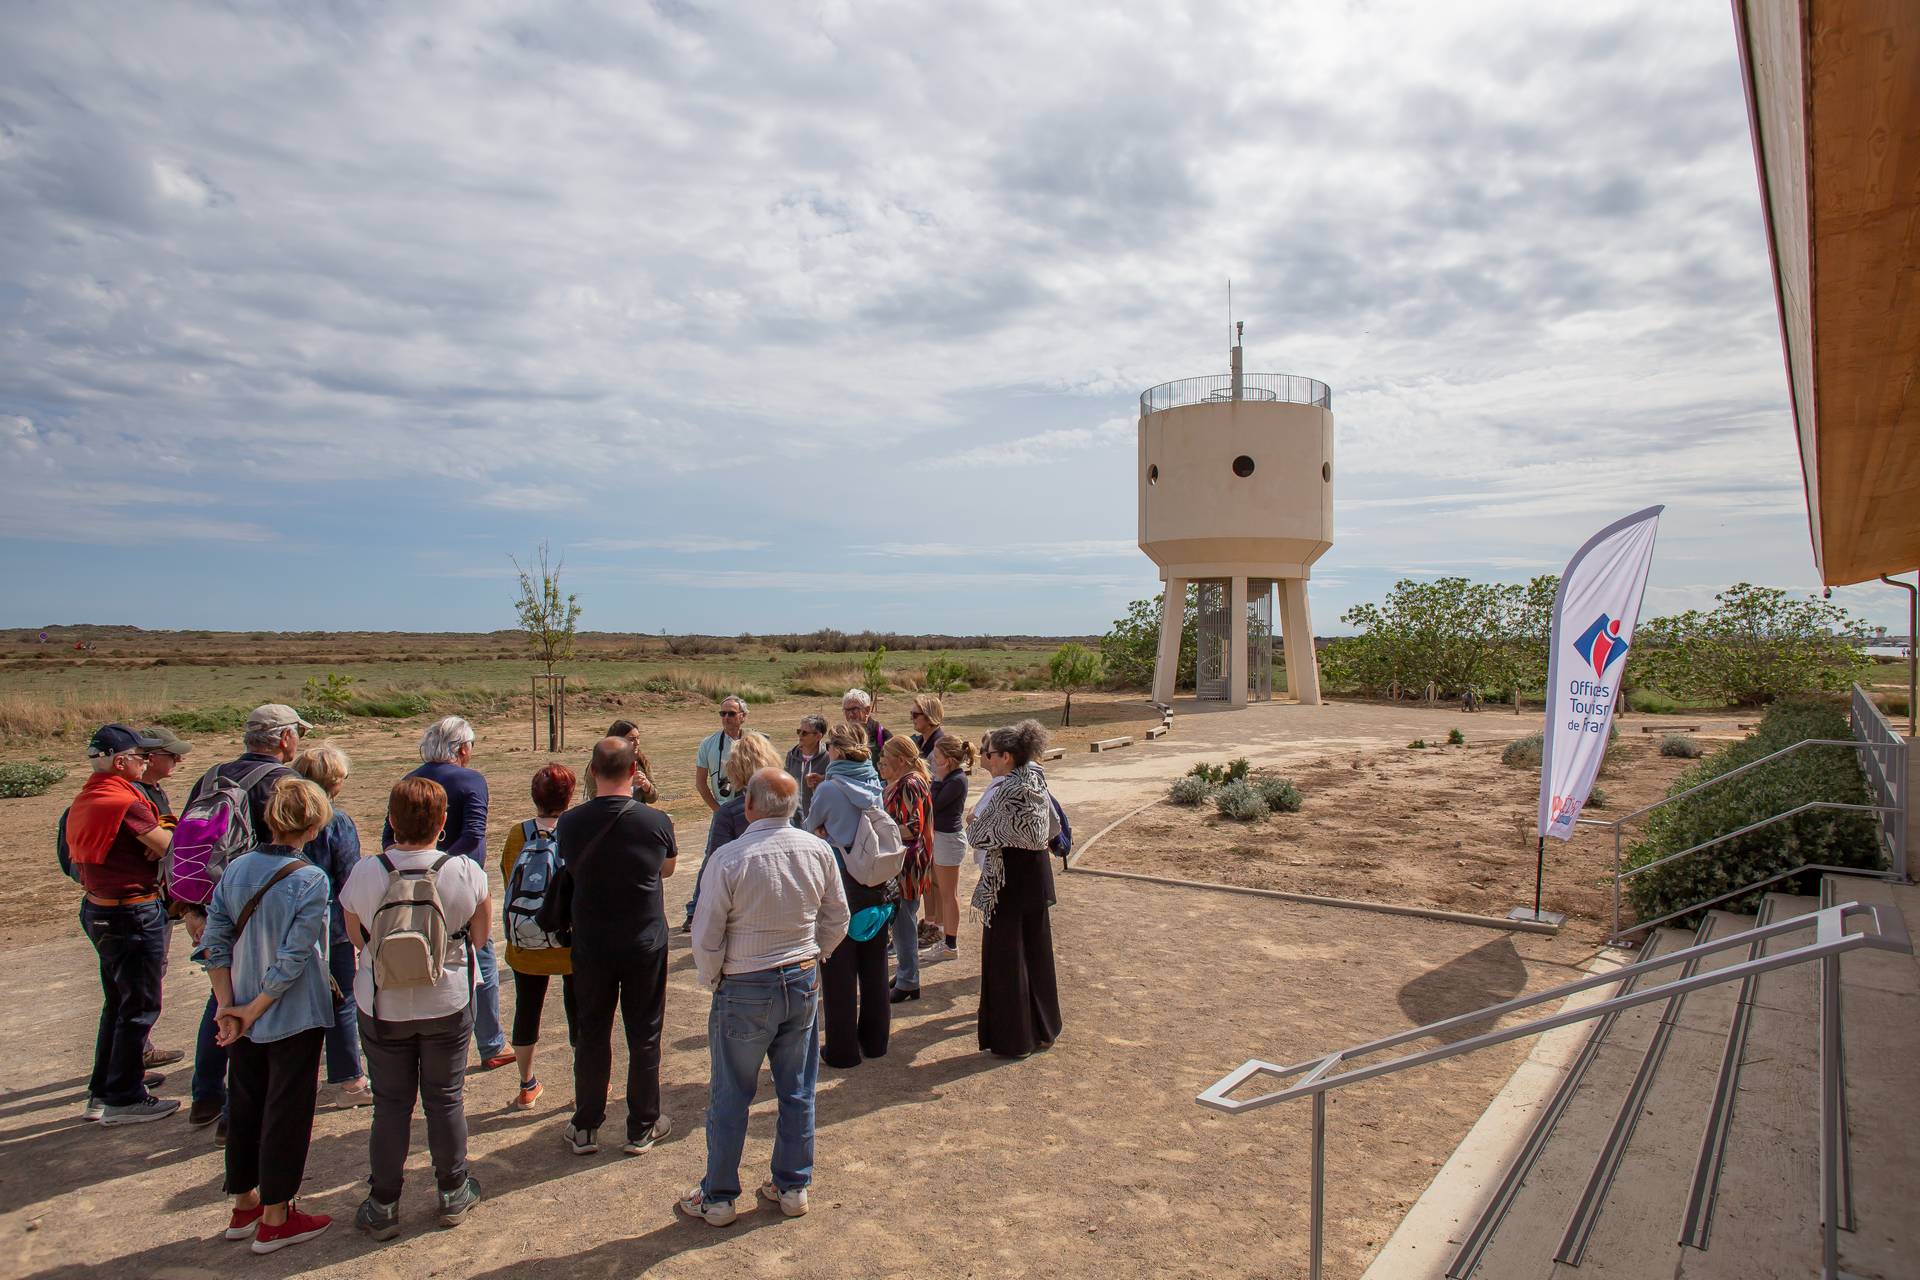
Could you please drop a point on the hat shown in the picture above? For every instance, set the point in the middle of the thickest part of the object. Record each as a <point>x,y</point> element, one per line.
<point>112,739</point>
<point>275,715</point>
<point>165,739</point>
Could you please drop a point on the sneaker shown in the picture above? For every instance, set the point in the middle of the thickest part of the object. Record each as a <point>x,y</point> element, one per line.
<point>381,1221</point>
<point>140,1112</point>
<point>792,1203</point>
<point>717,1213</point>
<point>584,1142</point>
<point>529,1094</point>
<point>153,1080</point>
<point>245,1223</point>
<point>454,1204</point>
<point>203,1112</point>
<point>220,1131</point>
<point>497,1061</point>
<point>298,1228</point>
<point>353,1093</point>
<point>94,1109</point>
<point>940,954</point>
<point>661,1128</point>
<point>162,1057</point>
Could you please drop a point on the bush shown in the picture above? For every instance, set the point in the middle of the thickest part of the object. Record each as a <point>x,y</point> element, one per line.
<point>1523,753</point>
<point>1131,648</point>
<point>1651,702</point>
<point>1240,802</point>
<point>1455,738</point>
<point>1418,744</point>
<point>391,705</point>
<point>945,676</point>
<point>1189,791</point>
<point>1220,775</point>
<point>205,719</point>
<point>1682,747</point>
<point>1278,794</point>
<point>1597,798</point>
<point>1756,644</point>
<point>1812,773</point>
<point>20,778</point>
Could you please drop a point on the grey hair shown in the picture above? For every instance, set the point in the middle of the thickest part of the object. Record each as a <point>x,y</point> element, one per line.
<point>266,741</point>
<point>813,723</point>
<point>858,697</point>
<point>772,793</point>
<point>442,742</point>
<point>1023,741</point>
<point>736,700</point>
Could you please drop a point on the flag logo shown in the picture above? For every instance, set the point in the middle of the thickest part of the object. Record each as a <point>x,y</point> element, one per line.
<point>1600,645</point>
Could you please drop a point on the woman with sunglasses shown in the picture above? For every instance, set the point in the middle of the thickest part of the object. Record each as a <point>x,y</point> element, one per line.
<point>1019,997</point>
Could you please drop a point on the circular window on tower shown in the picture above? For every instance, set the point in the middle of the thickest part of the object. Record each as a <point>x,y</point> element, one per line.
<point>1153,475</point>
<point>1243,466</point>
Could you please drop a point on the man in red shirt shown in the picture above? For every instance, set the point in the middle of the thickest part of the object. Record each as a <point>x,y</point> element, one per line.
<point>116,841</point>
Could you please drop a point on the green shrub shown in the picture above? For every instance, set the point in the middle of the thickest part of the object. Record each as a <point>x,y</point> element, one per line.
<point>1418,744</point>
<point>1189,791</point>
<point>1455,738</point>
<point>205,719</point>
<point>1812,773</point>
<point>1597,798</point>
<point>1651,702</point>
<point>1682,747</point>
<point>1240,802</point>
<point>389,706</point>
<point>1219,775</point>
<point>1523,753</point>
<point>19,778</point>
<point>1278,794</point>
<point>945,676</point>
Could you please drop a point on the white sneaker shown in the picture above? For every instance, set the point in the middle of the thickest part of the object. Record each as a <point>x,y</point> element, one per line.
<point>940,954</point>
<point>94,1109</point>
<point>792,1203</point>
<point>719,1213</point>
<point>583,1142</point>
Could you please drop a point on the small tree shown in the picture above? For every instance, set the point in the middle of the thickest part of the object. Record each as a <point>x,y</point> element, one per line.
<point>945,676</point>
<point>1072,667</point>
<point>1129,651</point>
<point>549,620</point>
<point>872,670</point>
<point>1755,645</point>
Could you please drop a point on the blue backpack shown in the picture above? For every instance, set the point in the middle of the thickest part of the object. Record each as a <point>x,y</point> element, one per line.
<point>1061,844</point>
<point>534,872</point>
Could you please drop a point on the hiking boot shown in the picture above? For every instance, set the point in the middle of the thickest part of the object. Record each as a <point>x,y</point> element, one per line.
<point>661,1128</point>
<point>203,1112</point>
<point>930,934</point>
<point>245,1223</point>
<point>95,1108</point>
<point>298,1228</point>
<point>140,1112</point>
<point>792,1203</point>
<point>529,1094</point>
<point>454,1204</point>
<point>716,1213</point>
<point>381,1221</point>
<point>584,1142</point>
<point>162,1057</point>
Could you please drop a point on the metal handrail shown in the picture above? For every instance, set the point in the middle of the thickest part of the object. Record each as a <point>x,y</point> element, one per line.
<point>1288,388</point>
<point>1831,941</point>
<point>1805,868</point>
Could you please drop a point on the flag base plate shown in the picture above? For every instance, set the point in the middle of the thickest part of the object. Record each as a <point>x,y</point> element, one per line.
<point>1531,916</point>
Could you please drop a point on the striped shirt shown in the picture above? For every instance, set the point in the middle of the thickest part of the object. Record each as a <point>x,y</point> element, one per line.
<point>771,898</point>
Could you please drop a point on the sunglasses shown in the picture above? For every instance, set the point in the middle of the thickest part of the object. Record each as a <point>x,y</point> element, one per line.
<point>731,715</point>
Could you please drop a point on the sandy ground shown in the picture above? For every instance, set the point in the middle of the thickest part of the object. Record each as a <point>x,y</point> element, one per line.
<point>1089,1160</point>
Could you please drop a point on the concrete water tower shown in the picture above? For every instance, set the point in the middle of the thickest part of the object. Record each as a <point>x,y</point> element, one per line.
<point>1236,499</point>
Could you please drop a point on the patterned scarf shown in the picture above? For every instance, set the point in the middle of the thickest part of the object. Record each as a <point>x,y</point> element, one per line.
<point>910,803</point>
<point>1014,814</point>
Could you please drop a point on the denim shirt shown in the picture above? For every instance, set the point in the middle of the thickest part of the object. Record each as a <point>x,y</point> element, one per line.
<point>283,941</point>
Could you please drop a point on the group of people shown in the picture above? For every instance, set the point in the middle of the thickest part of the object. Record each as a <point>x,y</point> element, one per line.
<point>384,963</point>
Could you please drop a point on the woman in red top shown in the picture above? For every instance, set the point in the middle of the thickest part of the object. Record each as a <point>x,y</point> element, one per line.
<point>909,802</point>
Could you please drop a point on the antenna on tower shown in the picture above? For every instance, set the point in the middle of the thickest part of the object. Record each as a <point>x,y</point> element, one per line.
<point>1229,311</point>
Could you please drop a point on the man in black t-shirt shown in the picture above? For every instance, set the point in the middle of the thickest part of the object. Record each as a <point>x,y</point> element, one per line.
<point>616,851</point>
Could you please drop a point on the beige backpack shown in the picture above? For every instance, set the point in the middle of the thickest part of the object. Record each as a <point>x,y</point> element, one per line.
<point>408,933</point>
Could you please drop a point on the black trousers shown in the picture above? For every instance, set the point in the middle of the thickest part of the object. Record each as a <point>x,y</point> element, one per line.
<point>1019,995</point>
<point>427,1060</point>
<point>637,982</point>
<point>270,1093</point>
<point>132,942</point>
<point>855,1002</point>
<point>530,999</point>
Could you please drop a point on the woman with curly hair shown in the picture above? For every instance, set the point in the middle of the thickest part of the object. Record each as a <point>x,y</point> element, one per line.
<point>909,802</point>
<point>1010,826</point>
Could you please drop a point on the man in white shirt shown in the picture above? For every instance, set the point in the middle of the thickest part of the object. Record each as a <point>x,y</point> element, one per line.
<point>772,906</point>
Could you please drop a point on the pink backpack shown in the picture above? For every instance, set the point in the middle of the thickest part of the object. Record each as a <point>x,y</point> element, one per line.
<point>215,829</point>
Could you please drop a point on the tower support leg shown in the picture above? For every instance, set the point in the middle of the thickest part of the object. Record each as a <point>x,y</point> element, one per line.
<point>1237,641</point>
<point>1296,625</point>
<point>1173,620</point>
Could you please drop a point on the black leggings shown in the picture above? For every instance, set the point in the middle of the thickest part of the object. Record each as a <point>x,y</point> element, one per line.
<point>855,1006</point>
<point>530,998</point>
<point>270,1096</point>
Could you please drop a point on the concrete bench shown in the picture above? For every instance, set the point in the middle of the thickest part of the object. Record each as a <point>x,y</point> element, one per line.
<point>1108,744</point>
<point>1053,753</point>
<point>1161,732</point>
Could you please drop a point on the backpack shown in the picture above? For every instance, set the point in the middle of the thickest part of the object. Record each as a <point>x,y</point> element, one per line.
<point>877,854</point>
<point>1062,842</point>
<point>534,873</point>
<point>408,933</point>
<point>216,828</point>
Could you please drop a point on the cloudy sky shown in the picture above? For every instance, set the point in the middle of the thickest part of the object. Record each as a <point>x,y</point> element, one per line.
<point>773,317</point>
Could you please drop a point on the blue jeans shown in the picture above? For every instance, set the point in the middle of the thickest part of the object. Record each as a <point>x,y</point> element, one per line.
<point>209,1061</point>
<point>770,1016</point>
<point>488,1035</point>
<point>906,943</point>
<point>132,943</point>
<point>343,1037</point>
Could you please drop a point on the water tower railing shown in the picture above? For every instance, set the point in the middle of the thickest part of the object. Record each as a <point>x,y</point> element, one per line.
<point>1287,388</point>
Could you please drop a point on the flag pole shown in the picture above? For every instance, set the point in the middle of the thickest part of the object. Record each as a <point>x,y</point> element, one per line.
<point>1539,874</point>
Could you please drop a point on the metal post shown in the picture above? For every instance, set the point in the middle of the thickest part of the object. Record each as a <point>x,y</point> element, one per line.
<point>1319,1194</point>
<point>1539,874</point>
<point>1616,880</point>
<point>1829,1117</point>
<point>1913,652</point>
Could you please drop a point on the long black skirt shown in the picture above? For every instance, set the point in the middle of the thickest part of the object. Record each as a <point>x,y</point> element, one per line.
<point>1019,998</point>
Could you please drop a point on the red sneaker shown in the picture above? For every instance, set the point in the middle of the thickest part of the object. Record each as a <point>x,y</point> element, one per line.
<point>298,1228</point>
<point>244,1220</point>
<point>497,1061</point>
